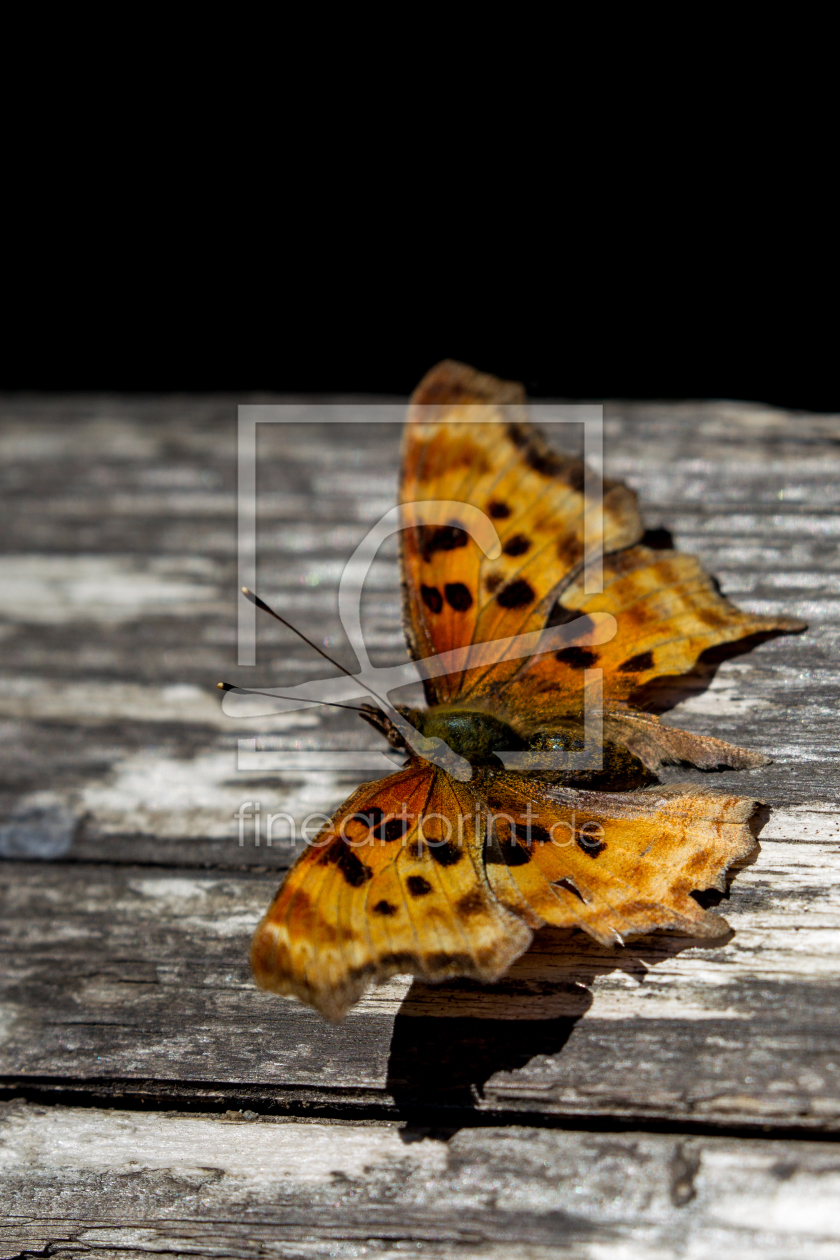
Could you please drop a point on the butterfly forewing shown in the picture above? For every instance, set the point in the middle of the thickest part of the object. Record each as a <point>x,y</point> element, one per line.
<point>394,884</point>
<point>480,450</point>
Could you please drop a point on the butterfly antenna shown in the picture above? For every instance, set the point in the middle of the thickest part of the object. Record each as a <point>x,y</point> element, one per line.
<point>251,691</point>
<point>260,603</point>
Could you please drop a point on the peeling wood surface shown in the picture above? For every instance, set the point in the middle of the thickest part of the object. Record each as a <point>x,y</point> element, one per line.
<point>115,1183</point>
<point>136,973</point>
<point>128,901</point>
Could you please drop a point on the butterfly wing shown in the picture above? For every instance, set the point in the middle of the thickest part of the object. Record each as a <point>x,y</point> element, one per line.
<point>421,874</point>
<point>668,612</point>
<point>395,883</point>
<point>467,440</point>
<point>612,864</point>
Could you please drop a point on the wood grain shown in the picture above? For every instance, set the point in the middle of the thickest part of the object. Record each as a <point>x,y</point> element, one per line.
<point>118,593</point>
<point>134,973</point>
<point>128,901</point>
<point>116,1183</point>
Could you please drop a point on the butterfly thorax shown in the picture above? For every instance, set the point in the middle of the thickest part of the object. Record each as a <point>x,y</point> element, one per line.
<point>478,736</point>
<point>472,734</point>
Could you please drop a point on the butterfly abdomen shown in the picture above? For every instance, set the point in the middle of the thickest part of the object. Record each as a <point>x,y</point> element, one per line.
<point>620,769</point>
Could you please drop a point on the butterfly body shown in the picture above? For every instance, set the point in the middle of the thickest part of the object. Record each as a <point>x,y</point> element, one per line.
<point>480,737</point>
<point>618,768</point>
<point>440,876</point>
<point>474,734</point>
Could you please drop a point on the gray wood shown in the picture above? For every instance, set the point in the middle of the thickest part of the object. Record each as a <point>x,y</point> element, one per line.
<point>117,1183</point>
<point>118,524</point>
<point>128,902</point>
<point>134,973</point>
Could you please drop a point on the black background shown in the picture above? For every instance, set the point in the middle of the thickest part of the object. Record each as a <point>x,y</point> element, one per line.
<point>629,224</point>
<point>631,354</point>
<point>174,303</point>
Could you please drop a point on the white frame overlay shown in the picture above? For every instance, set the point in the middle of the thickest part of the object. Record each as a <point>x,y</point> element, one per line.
<point>243,703</point>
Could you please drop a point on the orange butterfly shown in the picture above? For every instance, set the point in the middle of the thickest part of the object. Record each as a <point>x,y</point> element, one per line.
<point>426,874</point>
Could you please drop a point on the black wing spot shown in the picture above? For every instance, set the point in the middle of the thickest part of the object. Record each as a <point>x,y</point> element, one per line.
<point>516,594</point>
<point>569,886</point>
<point>394,829</point>
<point>444,853</point>
<point>492,582</point>
<point>544,462</point>
<point>441,538</point>
<point>371,817</point>
<point>659,539</point>
<point>637,664</point>
<point>498,511</point>
<point>458,596</point>
<point>589,845</point>
<point>432,598</point>
<point>352,868</point>
<point>577,657</point>
<point>512,854</point>
<point>458,962</point>
<point>561,616</point>
<point>471,903</point>
<point>403,959</point>
<point>384,907</point>
<point>539,835</point>
<point>517,546</point>
<point>418,886</point>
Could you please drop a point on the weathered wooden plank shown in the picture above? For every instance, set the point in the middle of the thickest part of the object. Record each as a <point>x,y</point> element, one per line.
<point>118,599</point>
<point>132,974</point>
<point>117,1183</point>
<point>117,594</point>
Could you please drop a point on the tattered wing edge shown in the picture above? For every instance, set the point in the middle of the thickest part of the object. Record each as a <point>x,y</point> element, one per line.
<point>335,1003</point>
<point>739,812</point>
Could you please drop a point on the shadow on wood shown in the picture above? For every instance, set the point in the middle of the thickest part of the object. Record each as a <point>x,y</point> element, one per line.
<point>450,1039</point>
<point>665,693</point>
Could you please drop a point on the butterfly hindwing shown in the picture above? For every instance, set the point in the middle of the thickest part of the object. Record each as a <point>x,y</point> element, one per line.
<point>613,864</point>
<point>668,612</point>
<point>394,884</point>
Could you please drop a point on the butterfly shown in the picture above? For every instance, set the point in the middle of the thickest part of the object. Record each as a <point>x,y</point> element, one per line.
<point>439,875</point>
